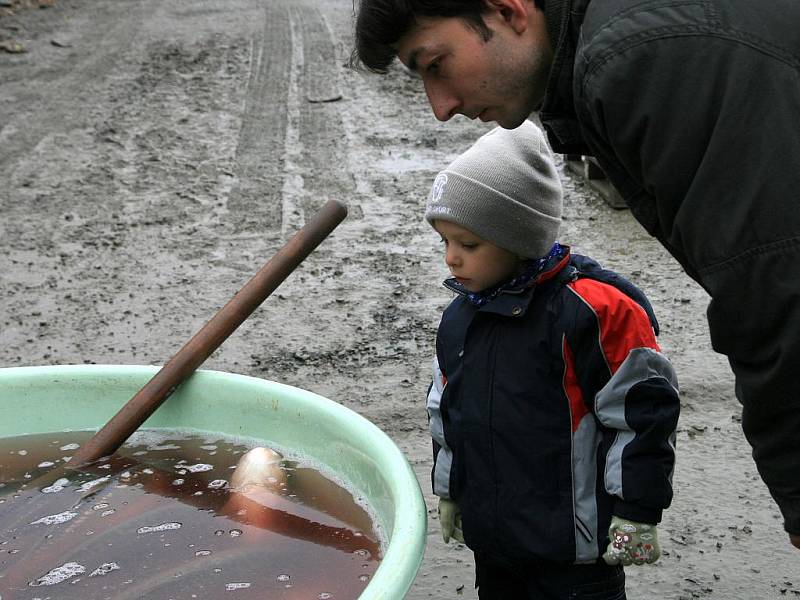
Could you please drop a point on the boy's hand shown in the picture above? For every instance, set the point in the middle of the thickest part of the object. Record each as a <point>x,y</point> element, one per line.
<point>450,520</point>
<point>631,543</point>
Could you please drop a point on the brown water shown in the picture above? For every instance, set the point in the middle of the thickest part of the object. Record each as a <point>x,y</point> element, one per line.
<point>159,520</point>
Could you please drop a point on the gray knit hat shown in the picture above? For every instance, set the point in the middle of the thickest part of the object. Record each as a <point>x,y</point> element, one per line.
<point>505,189</point>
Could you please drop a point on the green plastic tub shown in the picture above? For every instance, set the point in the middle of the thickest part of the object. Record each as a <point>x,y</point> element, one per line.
<point>63,398</point>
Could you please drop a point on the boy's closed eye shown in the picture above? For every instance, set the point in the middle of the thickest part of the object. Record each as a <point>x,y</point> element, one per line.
<point>466,244</point>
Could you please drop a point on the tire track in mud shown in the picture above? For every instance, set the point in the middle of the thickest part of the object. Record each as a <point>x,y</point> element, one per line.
<point>319,123</point>
<point>255,198</point>
<point>289,119</point>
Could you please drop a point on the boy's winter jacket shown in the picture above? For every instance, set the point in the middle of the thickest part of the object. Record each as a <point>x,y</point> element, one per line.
<point>552,408</point>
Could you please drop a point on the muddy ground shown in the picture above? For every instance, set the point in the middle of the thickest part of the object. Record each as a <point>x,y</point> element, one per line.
<point>153,155</point>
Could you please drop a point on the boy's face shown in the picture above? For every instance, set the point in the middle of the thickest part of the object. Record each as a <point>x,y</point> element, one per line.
<point>501,79</point>
<point>475,263</point>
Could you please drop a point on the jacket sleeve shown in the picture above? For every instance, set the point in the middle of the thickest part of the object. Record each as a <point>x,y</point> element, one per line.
<point>442,455</point>
<point>633,392</point>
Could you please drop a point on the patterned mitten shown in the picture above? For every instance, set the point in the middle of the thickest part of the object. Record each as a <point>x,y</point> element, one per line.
<point>631,543</point>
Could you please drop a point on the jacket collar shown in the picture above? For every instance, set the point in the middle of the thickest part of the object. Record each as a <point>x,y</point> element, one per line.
<point>559,118</point>
<point>513,301</point>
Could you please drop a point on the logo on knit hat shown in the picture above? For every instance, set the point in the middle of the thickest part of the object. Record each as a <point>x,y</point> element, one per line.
<point>438,187</point>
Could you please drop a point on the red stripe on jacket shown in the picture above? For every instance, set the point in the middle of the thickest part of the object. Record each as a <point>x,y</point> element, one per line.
<point>577,407</point>
<point>623,324</point>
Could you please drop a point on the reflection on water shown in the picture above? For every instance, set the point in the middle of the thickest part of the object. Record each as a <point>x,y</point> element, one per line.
<point>171,516</point>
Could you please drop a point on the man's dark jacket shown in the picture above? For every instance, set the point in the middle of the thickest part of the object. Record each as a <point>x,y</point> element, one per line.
<point>692,108</point>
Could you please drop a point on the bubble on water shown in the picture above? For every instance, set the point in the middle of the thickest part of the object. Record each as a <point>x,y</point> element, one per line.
<point>236,532</point>
<point>219,532</point>
<point>197,494</point>
<point>360,552</point>
<point>199,468</point>
<point>90,533</point>
<point>93,484</point>
<point>209,447</point>
<point>27,476</point>
<point>22,452</point>
<point>230,587</point>
<point>217,483</point>
<point>125,475</point>
<point>104,569</point>
<point>147,471</point>
<point>59,574</point>
<point>157,528</point>
<point>45,464</point>
<point>363,577</point>
<point>164,447</point>
<point>105,513</point>
<point>324,596</point>
<point>72,446</point>
<point>104,466</point>
<point>178,481</point>
<point>101,506</point>
<point>63,517</point>
<point>202,553</point>
<point>57,486</point>
<point>140,453</point>
<point>284,577</point>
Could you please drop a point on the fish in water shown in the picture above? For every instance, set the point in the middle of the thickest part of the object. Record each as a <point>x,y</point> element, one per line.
<point>260,467</point>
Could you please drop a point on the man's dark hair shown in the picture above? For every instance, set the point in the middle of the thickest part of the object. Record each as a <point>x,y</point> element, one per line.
<point>381,23</point>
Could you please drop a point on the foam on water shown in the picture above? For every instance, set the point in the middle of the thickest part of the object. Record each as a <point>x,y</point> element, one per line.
<point>230,587</point>
<point>59,574</point>
<point>63,517</point>
<point>57,486</point>
<point>104,569</point>
<point>162,527</point>
<point>93,483</point>
<point>198,468</point>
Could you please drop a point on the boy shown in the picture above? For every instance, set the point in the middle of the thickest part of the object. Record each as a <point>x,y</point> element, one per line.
<point>552,410</point>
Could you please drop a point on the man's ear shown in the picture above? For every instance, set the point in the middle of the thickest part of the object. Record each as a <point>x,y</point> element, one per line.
<point>514,13</point>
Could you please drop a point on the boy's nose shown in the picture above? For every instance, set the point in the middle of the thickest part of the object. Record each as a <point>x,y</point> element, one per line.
<point>451,258</point>
<point>443,103</point>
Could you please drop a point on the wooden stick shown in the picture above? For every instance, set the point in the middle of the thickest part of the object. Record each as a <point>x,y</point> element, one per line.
<point>106,441</point>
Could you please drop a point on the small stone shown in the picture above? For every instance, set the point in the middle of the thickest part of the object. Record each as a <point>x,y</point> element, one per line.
<point>12,47</point>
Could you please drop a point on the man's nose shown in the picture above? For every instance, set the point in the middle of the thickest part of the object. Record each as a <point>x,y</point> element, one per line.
<point>444,104</point>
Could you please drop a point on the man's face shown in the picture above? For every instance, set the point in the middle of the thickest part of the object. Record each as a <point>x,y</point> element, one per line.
<point>501,79</point>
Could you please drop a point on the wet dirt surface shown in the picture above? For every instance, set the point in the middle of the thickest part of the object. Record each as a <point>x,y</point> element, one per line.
<point>154,155</point>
